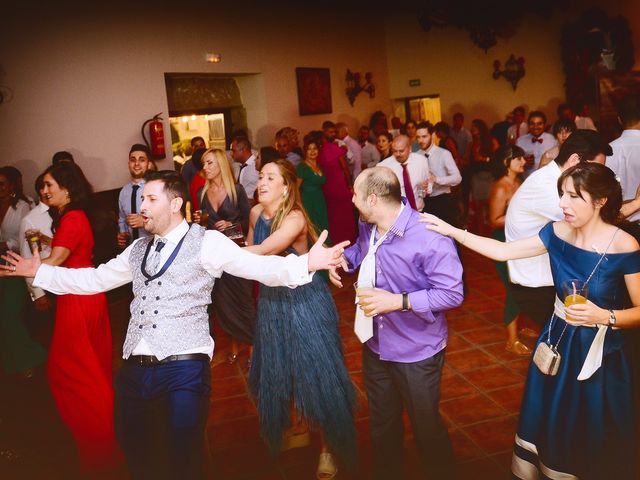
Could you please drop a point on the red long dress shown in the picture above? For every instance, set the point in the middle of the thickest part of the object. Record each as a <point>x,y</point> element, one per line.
<point>337,195</point>
<point>79,366</point>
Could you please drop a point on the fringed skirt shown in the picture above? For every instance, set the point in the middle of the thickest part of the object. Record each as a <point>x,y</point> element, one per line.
<point>298,358</point>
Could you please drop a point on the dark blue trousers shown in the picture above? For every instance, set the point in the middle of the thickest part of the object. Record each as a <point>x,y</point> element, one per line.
<point>392,387</point>
<point>160,417</point>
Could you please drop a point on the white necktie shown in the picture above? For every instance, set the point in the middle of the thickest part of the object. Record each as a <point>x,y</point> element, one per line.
<point>153,260</point>
<point>363,325</point>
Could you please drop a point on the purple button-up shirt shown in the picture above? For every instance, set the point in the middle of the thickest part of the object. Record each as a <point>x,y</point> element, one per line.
<point>424,264</point>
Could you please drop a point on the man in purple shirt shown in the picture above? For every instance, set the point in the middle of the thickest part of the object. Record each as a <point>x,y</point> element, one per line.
<point>418,276</point>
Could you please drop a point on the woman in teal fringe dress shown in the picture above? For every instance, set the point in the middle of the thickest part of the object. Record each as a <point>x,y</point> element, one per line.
<point>579,423</point>
<point>297,359</point>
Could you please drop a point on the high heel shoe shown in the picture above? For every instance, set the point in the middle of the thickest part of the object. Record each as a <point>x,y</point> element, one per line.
<point>231,358</point>
<point>518,348</point>
<point>327,468</point>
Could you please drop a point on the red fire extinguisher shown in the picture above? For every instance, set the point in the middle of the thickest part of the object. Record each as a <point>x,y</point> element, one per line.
<point>156,135</point>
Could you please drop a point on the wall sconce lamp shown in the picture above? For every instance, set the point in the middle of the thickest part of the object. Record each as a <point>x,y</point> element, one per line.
<point>513,70</point>
<point>354,88</point>
<point>213,57</point>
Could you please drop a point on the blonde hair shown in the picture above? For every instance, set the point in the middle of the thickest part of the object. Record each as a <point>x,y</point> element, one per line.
<point>228,179</point>
<point>292,200</point>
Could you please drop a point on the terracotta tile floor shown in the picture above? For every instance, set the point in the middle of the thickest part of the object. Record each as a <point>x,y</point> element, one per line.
<point>481,391</point>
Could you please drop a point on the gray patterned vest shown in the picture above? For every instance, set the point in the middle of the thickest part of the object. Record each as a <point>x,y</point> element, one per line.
<point>170,312</point>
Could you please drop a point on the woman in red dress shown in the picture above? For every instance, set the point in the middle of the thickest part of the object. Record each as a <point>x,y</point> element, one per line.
<point>337,190</point>
<point>79,368</point>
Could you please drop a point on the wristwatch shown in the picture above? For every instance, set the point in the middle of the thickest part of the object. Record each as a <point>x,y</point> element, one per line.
<point>405,302</point>
<point>612,318</point>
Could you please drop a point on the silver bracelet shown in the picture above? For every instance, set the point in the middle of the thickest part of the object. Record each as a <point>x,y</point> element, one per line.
<point>464,239</point>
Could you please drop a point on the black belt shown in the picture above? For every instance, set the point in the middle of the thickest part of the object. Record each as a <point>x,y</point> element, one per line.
<point>150,360</point>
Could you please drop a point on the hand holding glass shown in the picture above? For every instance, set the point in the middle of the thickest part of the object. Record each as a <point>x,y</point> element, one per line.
<point>575,292</point>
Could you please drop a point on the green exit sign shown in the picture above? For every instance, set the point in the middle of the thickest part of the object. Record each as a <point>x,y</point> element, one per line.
<point>414,82</point>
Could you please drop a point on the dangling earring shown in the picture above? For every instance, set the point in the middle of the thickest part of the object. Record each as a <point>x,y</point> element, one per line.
<point>284,194</point>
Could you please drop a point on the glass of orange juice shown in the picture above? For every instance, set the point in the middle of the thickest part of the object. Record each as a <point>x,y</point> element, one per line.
<point>575,291</point>
<point>362,288</point>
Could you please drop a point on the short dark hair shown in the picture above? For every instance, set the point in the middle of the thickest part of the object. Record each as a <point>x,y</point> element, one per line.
<point>442,127</point>
<point>328,124</point>
<point>195,139</point>
<point>458,115</point>
<point>39,183</point>
<point>425,125</point>
<point>518,110</point>
<point>501,157</point>
<point>563,124</point>
<point>628,108</point>
<point>537,113</point>
<point>382,182</point>
<point>599,182</point>
<point>587,144</point>
<point>62,156</point>
<point>243,143</point>
<point>174,185</point>
<point>268,155</point>
<point>140,147</point>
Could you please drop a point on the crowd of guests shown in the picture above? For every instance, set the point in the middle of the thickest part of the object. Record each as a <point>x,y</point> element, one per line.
<point>395,195</point>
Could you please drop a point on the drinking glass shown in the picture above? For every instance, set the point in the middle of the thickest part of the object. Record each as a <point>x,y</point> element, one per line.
<point>575,291</point>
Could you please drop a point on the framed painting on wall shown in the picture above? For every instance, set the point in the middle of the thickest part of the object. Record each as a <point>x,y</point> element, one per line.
<point>314,90</point>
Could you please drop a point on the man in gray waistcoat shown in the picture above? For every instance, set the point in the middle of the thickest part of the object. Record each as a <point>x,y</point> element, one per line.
<point>162,392</point>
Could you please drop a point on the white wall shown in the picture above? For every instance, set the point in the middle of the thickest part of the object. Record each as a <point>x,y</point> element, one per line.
<point>86,83</point>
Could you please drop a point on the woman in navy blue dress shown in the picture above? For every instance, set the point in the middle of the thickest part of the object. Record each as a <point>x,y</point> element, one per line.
<point>579,422</point>
<point>297,358</point>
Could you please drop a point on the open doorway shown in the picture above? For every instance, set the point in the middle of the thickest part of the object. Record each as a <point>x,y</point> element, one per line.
<point>424,108</point>
<point>214,127</point>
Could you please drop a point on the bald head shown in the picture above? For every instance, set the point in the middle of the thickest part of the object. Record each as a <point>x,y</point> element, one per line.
<point>380,181</point>
<point>342,130</point>
<point>401,148</point>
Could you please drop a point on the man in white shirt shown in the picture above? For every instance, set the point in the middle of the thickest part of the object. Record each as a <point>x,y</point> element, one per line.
<point>443,174</point>
<point>130,197</point>
<point>162,391</point>
<point>535,204</point>
<point>519,127</point>
<point>370,154</point>
<point>536,142</point>
<point>625,161</point>
<point>241,154</point>
<point>460,134</point>
<point>411,169</point>
<point>355,160</point>
<point>284,148</point>
<point>38,219</point>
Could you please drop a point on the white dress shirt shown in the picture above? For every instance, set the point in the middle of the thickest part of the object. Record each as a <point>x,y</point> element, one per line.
<point>515,131</point>
<point>10,226</point>
<point>370,155</point>
<point>418,173</point>
<point>462,138</point>
<point>249,176</point>
<point>355,163</point>
<point>536,148</point>
<point>443,167</point>
<point>37,219</point>
<point>584,123</point>
<point>218,254</point>
<point>625,163</point>
<point>534,204</point>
